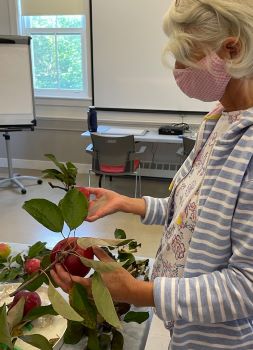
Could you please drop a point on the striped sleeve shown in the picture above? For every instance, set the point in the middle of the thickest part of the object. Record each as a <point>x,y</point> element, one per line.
<point>218,296</point>
<point>156,210</point>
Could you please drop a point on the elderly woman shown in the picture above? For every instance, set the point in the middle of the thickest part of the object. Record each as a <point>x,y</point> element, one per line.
<point>202,281</point>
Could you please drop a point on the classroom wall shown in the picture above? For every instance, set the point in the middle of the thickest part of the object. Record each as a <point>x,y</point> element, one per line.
<point>4,17</point>
<point>60,123</point>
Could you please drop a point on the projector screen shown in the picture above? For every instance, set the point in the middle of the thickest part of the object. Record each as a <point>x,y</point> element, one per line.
<point>128,72</point>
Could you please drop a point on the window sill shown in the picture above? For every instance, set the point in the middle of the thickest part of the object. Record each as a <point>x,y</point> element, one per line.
<point>63,101</point>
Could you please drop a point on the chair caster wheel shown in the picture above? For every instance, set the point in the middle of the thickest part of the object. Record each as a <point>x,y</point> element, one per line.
<point>39,182</point>
<point>23,191</point>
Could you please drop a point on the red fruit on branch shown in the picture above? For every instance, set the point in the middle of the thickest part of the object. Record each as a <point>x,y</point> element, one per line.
<point>84,191</point>
<point>67,252</point>
<point>32,300</point>
<point>32,265</point>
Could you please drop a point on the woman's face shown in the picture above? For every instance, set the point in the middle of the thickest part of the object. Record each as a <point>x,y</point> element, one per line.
<point>198,55</point>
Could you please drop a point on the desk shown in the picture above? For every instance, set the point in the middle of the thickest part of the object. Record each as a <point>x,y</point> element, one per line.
<point>154,167</point>
<point>150,136</point>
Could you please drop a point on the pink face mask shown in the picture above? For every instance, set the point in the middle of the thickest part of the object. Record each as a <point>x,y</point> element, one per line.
<point>207,83</point>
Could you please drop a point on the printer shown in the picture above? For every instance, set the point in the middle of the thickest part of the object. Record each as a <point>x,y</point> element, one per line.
<point>173,129</point>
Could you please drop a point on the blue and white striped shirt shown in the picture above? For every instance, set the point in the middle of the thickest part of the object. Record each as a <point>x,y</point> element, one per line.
<point>212,305</point>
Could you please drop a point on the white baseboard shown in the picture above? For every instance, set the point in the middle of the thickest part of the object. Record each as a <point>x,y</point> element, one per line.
<point>40,165</point>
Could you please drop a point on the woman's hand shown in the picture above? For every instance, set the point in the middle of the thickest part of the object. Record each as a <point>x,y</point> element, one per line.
<point>107,202</point>
<point>121,284</point>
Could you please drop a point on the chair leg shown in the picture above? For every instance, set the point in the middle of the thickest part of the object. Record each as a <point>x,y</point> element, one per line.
<point>139,181</point>
<point>136,183</point>
<point>104,180</point>
<point>89,177</point>
<point>100,181</point>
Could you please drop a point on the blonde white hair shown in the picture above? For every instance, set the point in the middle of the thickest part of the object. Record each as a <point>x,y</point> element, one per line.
<point>204,25</point>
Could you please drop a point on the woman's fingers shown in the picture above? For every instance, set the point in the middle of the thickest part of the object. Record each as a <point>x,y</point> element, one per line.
<point>59,282</point>
<point>95,191</point>
<point>65,280</point>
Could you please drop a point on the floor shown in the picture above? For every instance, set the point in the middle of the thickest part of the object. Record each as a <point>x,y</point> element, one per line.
<point>18,226</point>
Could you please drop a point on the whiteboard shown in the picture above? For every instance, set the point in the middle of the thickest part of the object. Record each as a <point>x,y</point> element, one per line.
<point>128,72</point>
<point>16,89</point>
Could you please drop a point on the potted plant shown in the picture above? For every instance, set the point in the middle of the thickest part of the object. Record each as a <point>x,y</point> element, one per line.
<point>97,318</point>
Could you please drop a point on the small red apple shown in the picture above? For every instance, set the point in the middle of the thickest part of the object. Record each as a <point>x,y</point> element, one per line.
<point>32,300</point>
<point>32,265</point>
<point>84,191</point>
<point>5,250</point>
<point>71,261</point>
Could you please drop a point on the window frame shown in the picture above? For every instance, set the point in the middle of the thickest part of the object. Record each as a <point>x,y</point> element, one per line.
<point>62,94</point>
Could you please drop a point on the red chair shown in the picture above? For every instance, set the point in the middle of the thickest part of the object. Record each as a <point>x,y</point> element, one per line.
<point>115,156</point>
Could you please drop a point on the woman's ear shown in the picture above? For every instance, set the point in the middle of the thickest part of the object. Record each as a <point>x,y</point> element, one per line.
<point>231,48</point>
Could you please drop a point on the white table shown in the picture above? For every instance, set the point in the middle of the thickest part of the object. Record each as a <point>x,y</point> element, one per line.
<point>151,135</point>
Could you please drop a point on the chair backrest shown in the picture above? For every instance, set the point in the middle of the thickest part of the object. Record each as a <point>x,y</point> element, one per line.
<point>188,144</point>
<point>113,151</point>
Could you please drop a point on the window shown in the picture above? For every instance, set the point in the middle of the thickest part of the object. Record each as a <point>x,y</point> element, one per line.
<point>59,54</point>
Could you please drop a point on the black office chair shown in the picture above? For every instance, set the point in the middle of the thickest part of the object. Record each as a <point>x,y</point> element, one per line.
<point>115,156</point>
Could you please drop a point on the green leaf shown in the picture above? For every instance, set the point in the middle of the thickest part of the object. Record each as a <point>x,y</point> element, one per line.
<point>13,273</point>
<point>100,266</point>
<point>78,299</point>
<point>46,213</point>
<point>103,301</point>
<point>127,258</point>
<point>38,341</point>
<point>120,234</point>
<point>61,306</point>
<point>87,242</point>
<point>36,283</point>
<point>3,275</point>
<point>15,314</point>
<point>61,166</point>
<point>137,317</point>
<point>5,336</point>
<point>72,170</point>
<point>93,343</point>
<point>19,259</point>
<point>40,311</point>
<point>117,341</point>
<point>46,261</point>
<point>3,260</point>
<point>37,249</point>
<point>74,332</point>
<point>134,245</point>
<point>74,207</point>
<point>51,173</point>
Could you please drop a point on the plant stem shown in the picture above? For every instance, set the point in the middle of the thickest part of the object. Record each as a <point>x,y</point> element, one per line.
<point>53,186</point>
<point>23,285</point>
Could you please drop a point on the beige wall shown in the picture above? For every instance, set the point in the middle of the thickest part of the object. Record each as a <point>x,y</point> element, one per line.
<point>4,17</point>
<point>62,138</point>
<point>61,122</point>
